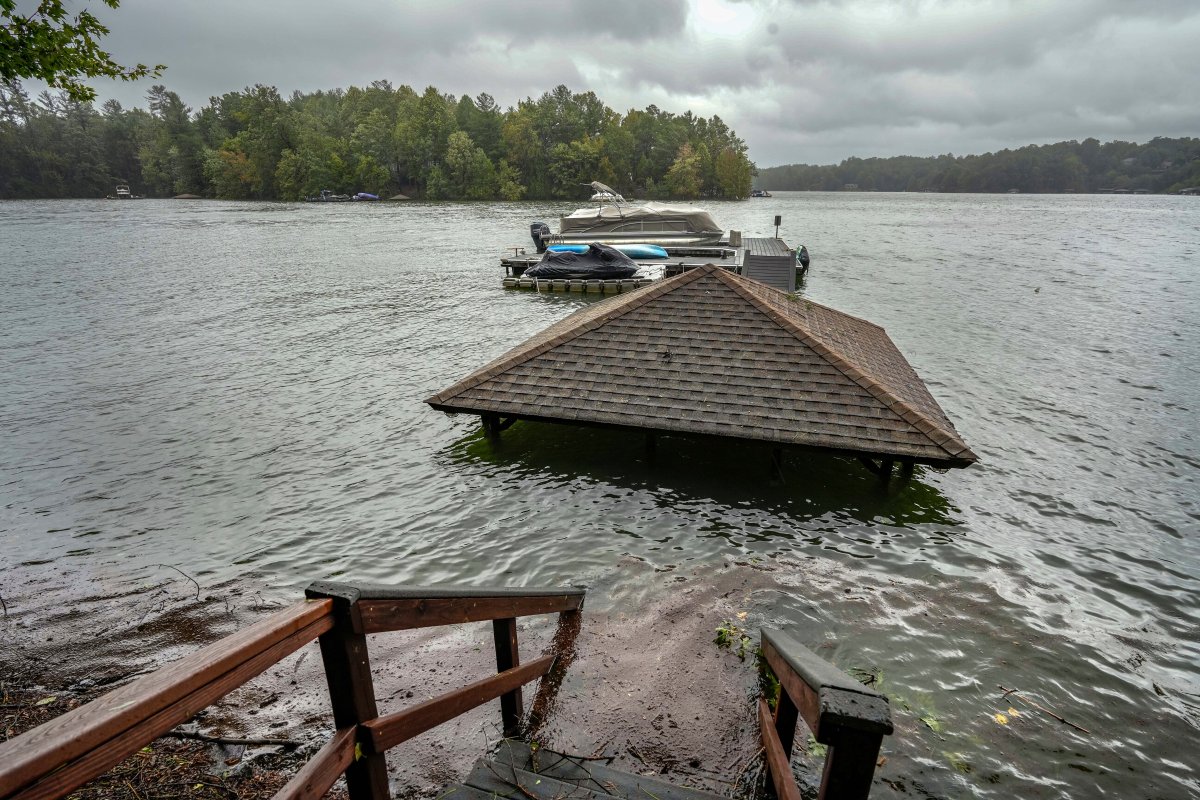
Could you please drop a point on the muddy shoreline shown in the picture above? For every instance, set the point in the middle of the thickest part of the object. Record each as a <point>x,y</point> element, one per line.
<point>649,689</point>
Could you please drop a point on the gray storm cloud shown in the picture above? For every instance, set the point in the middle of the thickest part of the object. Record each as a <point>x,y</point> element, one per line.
<point>813,81</point>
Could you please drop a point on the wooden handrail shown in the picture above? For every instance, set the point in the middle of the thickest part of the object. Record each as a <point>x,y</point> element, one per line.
<point>66,752</point>
<point>62,754</point>
<point>395,608</point>
<point>322,770</point>
<point>778,768</point>
<point>850,718</point>
<point>392,729</point>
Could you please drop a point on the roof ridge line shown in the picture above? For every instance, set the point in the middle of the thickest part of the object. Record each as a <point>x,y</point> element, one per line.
<point>857,374</point>
<point>492,369</point>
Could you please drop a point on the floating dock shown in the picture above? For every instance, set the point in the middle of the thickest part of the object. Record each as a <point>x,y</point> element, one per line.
<point>766,260</point>
<point>577,285</point>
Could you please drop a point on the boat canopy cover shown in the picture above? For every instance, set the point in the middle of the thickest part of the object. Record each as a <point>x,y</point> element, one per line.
<point>683,218</point>
<point>599,262</point>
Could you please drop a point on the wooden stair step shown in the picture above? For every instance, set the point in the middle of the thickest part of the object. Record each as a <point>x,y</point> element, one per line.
<point>457,791</point>
<point>593,775</point>
<point>500,779</point>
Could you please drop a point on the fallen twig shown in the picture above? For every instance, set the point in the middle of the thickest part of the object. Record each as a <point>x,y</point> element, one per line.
<point>599,751</point>
<point>184,574</point>
<point>1042,708</point>
<point>573,757</point>
<point>737,779</point>
<point>634,752</point>
<point>515,781</point>
<point>200,737</point>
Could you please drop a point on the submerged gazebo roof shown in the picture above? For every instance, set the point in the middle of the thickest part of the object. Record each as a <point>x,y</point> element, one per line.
<point>710,352</point>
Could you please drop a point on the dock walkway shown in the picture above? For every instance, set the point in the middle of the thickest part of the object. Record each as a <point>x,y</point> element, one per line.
<point>770,261</point>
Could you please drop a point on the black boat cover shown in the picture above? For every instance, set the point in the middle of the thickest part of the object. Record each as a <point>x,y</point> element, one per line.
<point>600,262</point>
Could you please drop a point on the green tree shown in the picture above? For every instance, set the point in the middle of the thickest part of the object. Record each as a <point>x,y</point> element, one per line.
<point>51,45</point>
<point>171,155</point>
<point>468,171</point>
<point>733,174</point>
<point>524,151</point>
<point>290,176</point>
<point>684,178</point>
<point>508,182</point>
<point>423,134</point>
<point>573,166</point>
<point>482,119</point>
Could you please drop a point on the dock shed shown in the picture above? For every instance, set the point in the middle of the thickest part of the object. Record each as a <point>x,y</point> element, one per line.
<point>772,262</point>
<point>712,353</point>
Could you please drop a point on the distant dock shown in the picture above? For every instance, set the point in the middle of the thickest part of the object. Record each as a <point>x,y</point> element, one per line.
<point>766,260</point>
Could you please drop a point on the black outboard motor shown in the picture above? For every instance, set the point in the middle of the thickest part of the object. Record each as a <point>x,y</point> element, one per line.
<point>802,256</point>
<point>539,230</point>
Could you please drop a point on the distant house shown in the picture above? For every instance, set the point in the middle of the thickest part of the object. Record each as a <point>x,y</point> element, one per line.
<point>850,187</point>
<point>1129,162</point>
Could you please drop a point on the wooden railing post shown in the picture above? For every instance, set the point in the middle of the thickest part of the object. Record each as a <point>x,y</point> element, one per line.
<point>351,688</point>
<point>507,657</point>
<point>850,764</point>
<point>785,722</point>
<point>848,717</point>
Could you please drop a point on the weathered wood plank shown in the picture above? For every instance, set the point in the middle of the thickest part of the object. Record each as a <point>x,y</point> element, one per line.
<point>850,765</point>
<point>805,697</point>
<point>352,694</point>
<point>778,764</point>
<point>322,770</point>
<point>512,705</point>
<point>826,696</point>
<point>103,754</point>
<point>392,729</point>
<point>404,614</point>
<point>456,791</point>
<point>590,774</point>
<point>517,784</point>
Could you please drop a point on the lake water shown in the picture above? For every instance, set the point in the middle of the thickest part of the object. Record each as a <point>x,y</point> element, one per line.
<point>236,389</point>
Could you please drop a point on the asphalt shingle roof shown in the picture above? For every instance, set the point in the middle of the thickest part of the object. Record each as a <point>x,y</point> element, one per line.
<point>710,352</point>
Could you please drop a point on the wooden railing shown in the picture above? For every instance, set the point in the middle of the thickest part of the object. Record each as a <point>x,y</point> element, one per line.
<point>66,752</point>
<point>848,717</point>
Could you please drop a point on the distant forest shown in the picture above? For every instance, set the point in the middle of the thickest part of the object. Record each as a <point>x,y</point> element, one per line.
<point>1160,165</point>
<point>254,144</point>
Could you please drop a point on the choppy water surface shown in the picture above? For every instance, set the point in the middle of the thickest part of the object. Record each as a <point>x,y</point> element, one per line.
<point>236,389</point>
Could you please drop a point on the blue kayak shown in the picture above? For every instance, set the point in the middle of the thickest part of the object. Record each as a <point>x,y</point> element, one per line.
<point>631,250</point>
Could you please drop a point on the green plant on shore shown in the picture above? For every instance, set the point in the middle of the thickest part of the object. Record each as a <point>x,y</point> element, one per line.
<point>815,749</point>
<point>731,637</point>
<point>768,684</point>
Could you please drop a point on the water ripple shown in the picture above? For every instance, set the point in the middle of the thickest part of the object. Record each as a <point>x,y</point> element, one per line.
<point>237,387</point>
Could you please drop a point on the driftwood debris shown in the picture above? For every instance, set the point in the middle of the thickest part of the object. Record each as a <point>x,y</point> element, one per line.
<point>1015,693</point>
<point>201,737</point>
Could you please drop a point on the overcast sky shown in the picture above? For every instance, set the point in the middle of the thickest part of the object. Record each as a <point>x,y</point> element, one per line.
<point>802,81</point>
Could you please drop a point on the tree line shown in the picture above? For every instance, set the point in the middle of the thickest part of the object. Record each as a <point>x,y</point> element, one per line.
<point>254,144</point>
<point>1160,165</point>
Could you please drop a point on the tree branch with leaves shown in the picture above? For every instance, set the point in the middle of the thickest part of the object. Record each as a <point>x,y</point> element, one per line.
<point>51,45</point>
